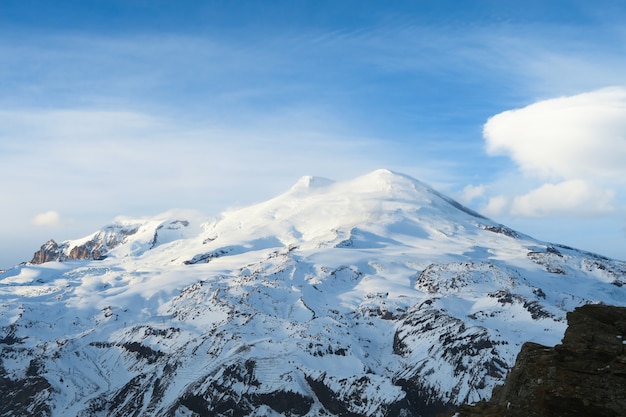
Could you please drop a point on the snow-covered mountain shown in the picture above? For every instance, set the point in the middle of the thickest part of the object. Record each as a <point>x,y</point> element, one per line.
<point>377,296</point>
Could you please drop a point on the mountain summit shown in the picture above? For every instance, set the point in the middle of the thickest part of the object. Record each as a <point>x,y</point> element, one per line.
<point>377,296</point>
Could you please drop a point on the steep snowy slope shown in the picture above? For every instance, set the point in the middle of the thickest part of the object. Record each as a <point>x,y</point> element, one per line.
<point>377,296</point>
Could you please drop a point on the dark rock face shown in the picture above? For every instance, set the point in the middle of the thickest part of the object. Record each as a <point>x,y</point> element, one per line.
<point>502,230</point>
<point>48,252</point>
<point>95,248</point>
<point>583,376</point>
<point>27,395</point>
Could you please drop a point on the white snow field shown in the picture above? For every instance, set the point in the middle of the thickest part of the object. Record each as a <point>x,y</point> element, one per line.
<point>371,297</point>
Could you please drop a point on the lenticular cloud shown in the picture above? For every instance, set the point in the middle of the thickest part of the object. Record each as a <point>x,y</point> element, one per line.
<point>581,136</point>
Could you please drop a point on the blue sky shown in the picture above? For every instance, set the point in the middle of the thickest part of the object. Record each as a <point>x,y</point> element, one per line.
<point>108,108</point>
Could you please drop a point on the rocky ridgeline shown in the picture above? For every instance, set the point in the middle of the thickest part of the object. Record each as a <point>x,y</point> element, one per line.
<point>51,251</point>
<point>94,248</point>
<point>583,376</point>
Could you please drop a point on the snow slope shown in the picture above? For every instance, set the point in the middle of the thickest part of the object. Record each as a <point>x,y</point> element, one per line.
<point>377,296</point>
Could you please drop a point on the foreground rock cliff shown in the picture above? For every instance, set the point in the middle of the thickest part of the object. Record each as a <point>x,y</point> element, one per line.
<point>583,376</point>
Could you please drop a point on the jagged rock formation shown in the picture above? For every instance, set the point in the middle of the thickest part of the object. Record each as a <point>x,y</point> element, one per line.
<point>48,252</point>
<point>583,376</point>
<point>95,247</point>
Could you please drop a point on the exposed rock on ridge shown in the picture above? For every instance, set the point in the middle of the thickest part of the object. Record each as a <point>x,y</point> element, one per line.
<point>48,252</point>
<point>94,248</point>
<point>583,376</point>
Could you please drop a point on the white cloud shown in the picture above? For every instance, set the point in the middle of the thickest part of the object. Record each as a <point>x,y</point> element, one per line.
<point>471,192</point>
<point>568,198</point>
<point>570,152</point>
<point>49,218</point>
<point>573,197</point>
<point>496,206</point>
<point>582,136</point>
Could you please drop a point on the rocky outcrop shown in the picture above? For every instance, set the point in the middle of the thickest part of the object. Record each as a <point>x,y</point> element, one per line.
<point>557,259</point>
<point>48,252</point>
<point>27,395</point>
<point>94,248</point>
<point>98,245</point>
<point>583,376</point>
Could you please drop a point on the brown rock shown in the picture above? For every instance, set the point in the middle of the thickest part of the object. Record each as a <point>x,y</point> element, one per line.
<point>583,376</point>
<point>48,252</point>
<point>95,248</point>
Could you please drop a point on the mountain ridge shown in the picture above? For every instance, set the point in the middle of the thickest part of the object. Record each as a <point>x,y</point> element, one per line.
<point>376,296</point>
<point>379,186</point>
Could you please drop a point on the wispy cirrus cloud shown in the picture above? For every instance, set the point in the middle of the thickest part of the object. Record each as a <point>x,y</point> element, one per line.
<point>135,121</point>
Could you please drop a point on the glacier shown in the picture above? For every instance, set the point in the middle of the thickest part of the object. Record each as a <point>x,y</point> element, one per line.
<point>377,296</point>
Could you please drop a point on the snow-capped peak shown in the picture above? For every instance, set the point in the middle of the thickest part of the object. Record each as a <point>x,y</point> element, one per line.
<point>376,296</point>
<point>310,182</point>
